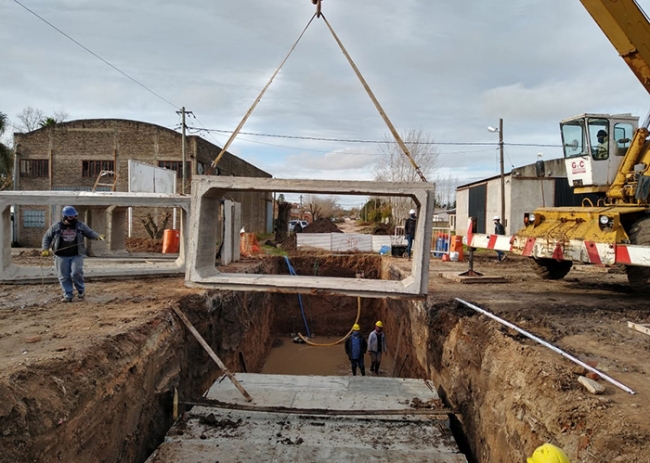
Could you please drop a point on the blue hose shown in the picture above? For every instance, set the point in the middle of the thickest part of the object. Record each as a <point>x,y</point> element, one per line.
<point>302,310</point>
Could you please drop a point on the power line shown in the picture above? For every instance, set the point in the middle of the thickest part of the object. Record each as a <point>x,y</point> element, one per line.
<point>355,140</point>
<point>97,56</point>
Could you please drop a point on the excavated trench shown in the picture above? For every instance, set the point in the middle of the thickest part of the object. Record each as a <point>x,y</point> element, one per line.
<point>118,398</point>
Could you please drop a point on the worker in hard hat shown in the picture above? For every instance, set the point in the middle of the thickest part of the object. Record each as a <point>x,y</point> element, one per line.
<point>548,453</point>
<point>376,346</point>
<point>67,241</point>
<point>356,347</point>
<point>409,231</point>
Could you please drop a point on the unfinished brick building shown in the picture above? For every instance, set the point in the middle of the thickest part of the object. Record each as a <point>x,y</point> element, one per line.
<point>69,157</point>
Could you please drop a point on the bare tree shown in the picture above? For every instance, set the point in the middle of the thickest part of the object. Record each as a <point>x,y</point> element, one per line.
<point>395,166</point>
<point>320,206</point>
<point>30,119</point>
<point>34,118</point>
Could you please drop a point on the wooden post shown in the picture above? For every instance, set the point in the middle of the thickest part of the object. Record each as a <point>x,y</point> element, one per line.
<point>211,353</point>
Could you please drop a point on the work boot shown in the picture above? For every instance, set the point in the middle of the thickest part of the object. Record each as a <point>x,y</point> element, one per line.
<point>354,371</point>
<point>377,368</point>
<point>66,299</point>
<point>81,295</point>
<point>363,371</point>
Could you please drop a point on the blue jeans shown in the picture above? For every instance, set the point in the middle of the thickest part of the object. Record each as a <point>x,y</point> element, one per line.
<point>71,272</point>
<point>499,255</point>
<point>409,244</point>
<point>358,362</point>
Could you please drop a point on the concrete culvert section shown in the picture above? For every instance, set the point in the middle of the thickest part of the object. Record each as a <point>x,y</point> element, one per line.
<point>95,380</point>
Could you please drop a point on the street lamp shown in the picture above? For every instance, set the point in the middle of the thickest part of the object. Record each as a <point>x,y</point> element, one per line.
<point>503,182</point>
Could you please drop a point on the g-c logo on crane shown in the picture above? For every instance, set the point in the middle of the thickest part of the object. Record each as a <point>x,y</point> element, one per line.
<point>578,167</point>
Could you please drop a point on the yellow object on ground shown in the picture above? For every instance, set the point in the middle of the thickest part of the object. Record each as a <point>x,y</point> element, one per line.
<point>548,453</point>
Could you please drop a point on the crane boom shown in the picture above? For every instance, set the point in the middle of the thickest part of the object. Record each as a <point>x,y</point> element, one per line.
<point>628,29</point>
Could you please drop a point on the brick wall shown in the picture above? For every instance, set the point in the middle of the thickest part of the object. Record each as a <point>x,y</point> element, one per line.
<point>66,146</point>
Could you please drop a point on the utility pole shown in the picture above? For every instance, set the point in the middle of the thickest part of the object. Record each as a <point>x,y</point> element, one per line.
<point>182,112</point>
<point>300,207</point>
<point>503,181</point>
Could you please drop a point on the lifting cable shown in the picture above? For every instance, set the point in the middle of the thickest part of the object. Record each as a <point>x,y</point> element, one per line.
<point>259,98</point>
<point>365,85</point>
<point>340,340</point>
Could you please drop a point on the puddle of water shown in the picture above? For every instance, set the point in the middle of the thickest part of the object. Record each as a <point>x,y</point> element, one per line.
<point>302,359</point>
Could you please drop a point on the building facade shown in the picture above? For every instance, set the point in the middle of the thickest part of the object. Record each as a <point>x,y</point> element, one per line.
<point>71,155</point>
<point>526,188</point>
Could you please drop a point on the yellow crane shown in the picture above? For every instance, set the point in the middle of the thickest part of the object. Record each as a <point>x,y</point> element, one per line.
<point>607,156</point>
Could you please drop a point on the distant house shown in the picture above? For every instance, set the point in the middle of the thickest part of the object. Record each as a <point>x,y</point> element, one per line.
<point>524,191</point>
<point>70,156</point>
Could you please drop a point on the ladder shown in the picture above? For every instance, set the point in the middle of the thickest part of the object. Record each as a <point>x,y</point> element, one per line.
<point>105,173</point>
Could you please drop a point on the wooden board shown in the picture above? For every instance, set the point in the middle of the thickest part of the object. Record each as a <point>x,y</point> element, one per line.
<point>472,279</point>
<point>639,327</point>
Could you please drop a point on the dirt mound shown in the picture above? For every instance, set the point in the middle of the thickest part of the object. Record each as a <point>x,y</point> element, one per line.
<point>383,229</point>
<point>143,245</point>
<point>322,226</point>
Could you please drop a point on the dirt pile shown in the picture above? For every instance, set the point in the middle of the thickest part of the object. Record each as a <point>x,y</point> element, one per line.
<point>322,226</point>
<point>143,245</point>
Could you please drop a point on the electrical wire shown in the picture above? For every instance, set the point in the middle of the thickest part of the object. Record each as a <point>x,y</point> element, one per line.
<point>97,56</point>
<point>387,142</point>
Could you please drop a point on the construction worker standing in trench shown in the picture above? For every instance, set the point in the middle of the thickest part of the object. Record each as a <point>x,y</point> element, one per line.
<point>376,346</point>
<point>355,347</point>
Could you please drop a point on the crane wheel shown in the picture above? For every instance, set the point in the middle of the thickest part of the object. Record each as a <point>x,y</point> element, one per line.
<point>639,234</point>
<point>551,269</point>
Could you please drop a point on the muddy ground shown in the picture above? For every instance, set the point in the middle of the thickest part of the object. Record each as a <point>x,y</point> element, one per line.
<point>53,353</point>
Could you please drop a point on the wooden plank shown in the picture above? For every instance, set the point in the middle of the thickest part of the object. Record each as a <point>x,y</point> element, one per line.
<point>211,353</point>
<point>639,327</point>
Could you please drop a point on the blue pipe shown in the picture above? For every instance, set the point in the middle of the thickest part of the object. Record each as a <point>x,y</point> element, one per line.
<point>302,310</point>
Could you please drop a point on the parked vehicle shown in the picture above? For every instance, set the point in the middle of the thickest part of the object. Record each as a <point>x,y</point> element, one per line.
<point>292,224</point>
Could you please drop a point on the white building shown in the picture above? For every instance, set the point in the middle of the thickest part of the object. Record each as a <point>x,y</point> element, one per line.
<point>525,190</point>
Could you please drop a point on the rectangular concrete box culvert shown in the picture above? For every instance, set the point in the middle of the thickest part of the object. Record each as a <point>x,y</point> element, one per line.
<point>283,430</point>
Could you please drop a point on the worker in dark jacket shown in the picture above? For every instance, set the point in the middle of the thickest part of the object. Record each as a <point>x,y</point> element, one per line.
<point>499,229</point>
<point>67,241</point>
<point>377,346</point>
<point>409,231</point>
<point>356,347</point>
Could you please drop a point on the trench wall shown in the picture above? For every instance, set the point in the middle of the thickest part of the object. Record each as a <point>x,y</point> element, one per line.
<point>113,401</point>
<point>511,394</point>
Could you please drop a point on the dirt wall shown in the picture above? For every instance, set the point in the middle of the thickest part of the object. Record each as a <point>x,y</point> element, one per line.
<point>113,401</point>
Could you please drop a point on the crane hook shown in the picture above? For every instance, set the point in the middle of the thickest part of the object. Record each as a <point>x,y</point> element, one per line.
<point>317,3</point>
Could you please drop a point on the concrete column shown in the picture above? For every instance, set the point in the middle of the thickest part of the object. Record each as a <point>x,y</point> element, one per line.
<point>227,250</point>
<point>116,230</point>
<point>96,219</point>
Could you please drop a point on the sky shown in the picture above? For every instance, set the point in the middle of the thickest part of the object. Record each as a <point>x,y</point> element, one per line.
<point>449,69</point>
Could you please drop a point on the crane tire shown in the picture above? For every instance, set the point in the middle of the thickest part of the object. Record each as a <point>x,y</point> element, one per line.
<point>551,269</point>
<point>639,234</point>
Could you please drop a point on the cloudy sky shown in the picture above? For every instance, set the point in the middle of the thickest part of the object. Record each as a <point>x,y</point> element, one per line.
<point>448,68</point>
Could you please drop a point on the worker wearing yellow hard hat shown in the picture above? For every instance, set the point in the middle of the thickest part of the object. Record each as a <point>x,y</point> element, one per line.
<point>548,453</point>
<point>376,346</point>
<point>355,347</point>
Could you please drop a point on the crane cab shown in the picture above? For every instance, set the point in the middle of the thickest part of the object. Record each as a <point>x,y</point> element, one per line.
<point>594,146</point>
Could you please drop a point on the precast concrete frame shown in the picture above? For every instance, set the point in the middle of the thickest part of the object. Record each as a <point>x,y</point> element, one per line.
<point>107,215</point>
<point>208,191</point>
